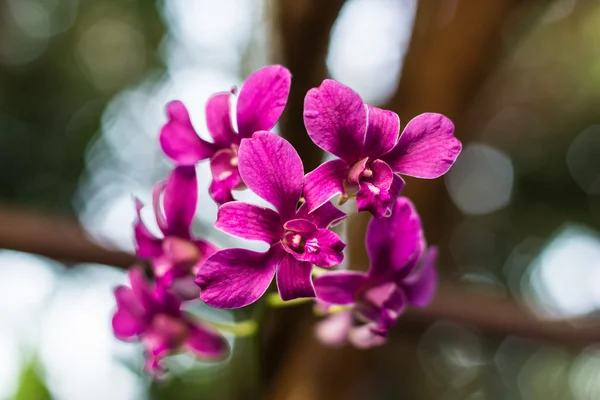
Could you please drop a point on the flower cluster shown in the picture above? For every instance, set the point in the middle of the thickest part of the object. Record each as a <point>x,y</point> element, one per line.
<point>371,153</point>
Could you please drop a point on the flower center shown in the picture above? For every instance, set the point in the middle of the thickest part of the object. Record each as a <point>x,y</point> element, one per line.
<point>374,189</point>
<point>224,175</point>
<point>294,241</point>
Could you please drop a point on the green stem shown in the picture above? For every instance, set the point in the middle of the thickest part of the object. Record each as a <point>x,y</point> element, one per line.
<point>273,300</point>
<point>240,329</point>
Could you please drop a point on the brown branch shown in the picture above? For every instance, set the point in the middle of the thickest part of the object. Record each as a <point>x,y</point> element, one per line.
<point>62,238</point>
<point>57,237</point>
<point>498,315</point>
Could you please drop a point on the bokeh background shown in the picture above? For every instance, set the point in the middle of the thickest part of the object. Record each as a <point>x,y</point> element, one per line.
<point>83,84</point>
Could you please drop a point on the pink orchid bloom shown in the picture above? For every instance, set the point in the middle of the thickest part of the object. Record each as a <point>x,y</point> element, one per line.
<point>259,105</point>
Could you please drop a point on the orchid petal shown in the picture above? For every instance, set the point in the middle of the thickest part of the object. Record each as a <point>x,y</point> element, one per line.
<point>302,226</point>
<point>373,194</point>
<point>220,192</point>
<point>127,321</point>
<point>336,120</point>
<point>293,278</point>
<point>323,248</point>
<point>223,167</point>
<point>250,222</point>
<point>180,251</point>
<point>147,245</point>
<point>383,127</point>
<point>426,149</point>
<point>272,169</point>
<point>205,342</point>
<point>370,198</point>
<point>218,120</point>
<point>394,191</point>
<point>393,242</point>
<point>420,286</point>
<point>142,289</point>
<point>324,216</point>
<point>234,278</point>
<point>180,198</point>
<point>179,140</point>
<point>205,248</point>
<point>356,171</point>
<point>262,99</point>
<point>334,329</point>
<point>339,287</point>
<point>185,288</point>
<point>396,301</point>
<point>324,182</point>
<point>363,337</point>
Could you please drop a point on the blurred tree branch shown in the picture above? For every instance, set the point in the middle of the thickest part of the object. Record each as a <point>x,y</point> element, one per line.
<point>58,237</point>
<point>63,239</point>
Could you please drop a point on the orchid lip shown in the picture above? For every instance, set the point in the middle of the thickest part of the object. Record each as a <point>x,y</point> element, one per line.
<point>295,241</point>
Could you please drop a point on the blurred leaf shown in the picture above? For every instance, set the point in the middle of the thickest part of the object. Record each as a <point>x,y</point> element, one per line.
<point>31,385</point>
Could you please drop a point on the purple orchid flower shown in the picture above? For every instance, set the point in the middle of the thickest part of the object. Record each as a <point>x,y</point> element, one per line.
<point>153,316</point>
<point>260,103</point>
<point>365,138</point>
<point>234,278</point>
<point>402,273</point>
<point>177,256</point>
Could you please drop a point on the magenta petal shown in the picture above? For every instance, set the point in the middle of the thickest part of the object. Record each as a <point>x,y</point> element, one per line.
<point>147,245</point>
<point>226,177</point>
<point>323,248</point>
<point>205,342</point>
<point>185,288</point>
<point>336,119</point>
<point>392,243</point>
<point>205,248</point>
<point>156,350</point>
<point>427,147</point>
<point>142,289</point>
<point>223,167</point>
<point>420,286</point>
<point>180,251</point>
<point>395,190</point>
<point>339,287</point>
<point>383,127</point>
<point>179,139</point>
<point>324,182</point>
<point>372,199</point>
<point>220,192</point>
<point>180,198</point>
<point>382,175</point>
<point>356,171</point>
<point>272,169</point>
<point>303,226</point>
<point>293,278</point>
<point>334,329</point>
<point>157,191</point>
<point>262,99</point>
<point>234,278</point>
<point>373,195</point>
<point>128,319</point>
<point>323,216</point>
<point>363,337</point>
<point>250,222</point>
<point>218,119</point>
